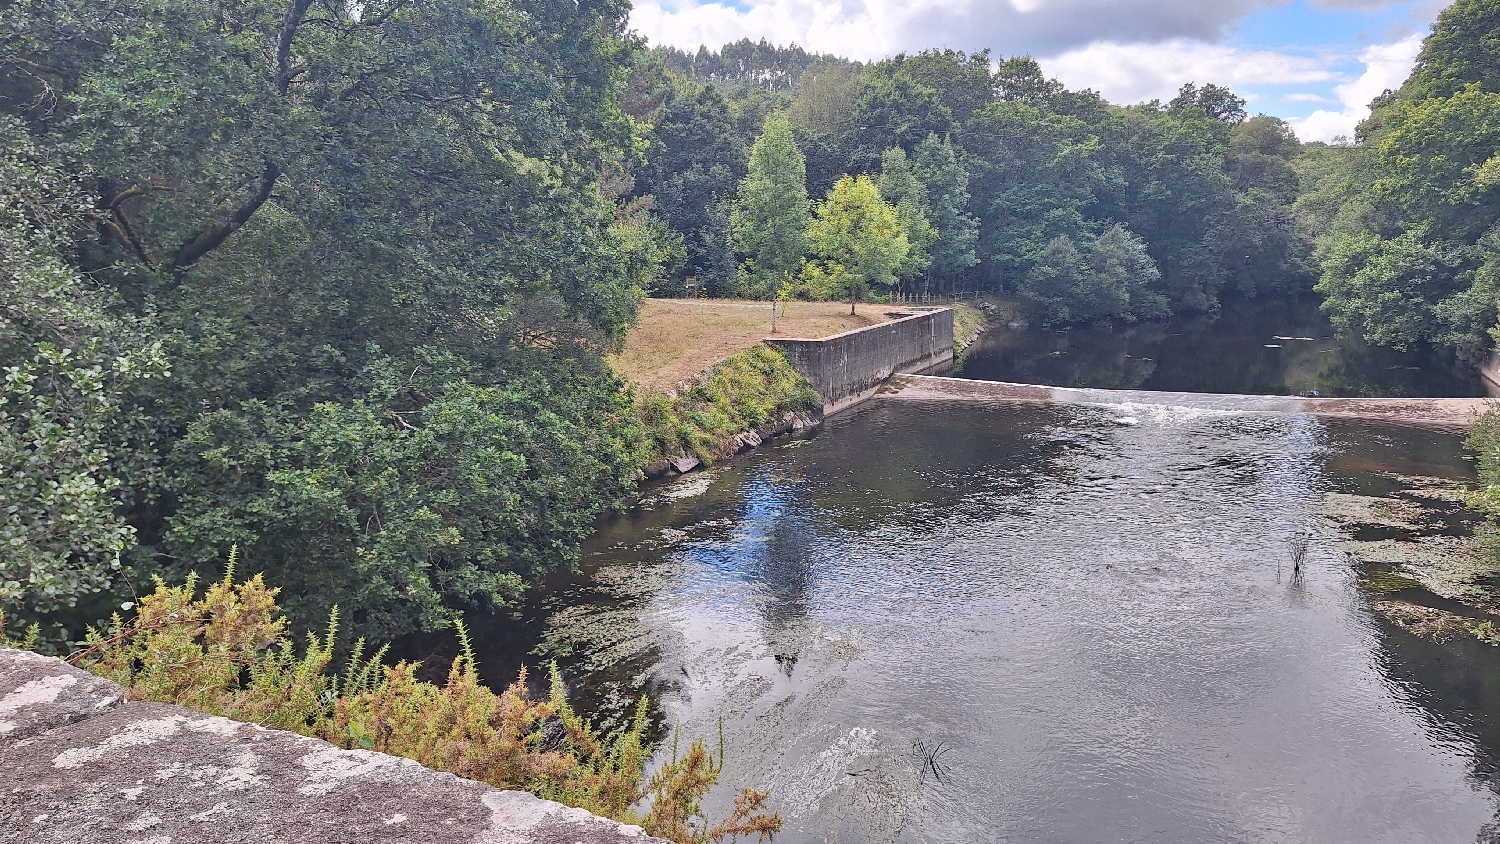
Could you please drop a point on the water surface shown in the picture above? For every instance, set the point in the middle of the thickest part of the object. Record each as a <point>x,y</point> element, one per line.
<point>1090,627</point>
<point>1269,348</point>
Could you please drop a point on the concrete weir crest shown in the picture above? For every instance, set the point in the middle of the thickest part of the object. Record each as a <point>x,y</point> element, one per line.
<point>848,368</point>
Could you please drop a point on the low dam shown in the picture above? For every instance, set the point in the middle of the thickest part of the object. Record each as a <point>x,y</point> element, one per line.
<point>848,368</point>
<point>1443,413</point>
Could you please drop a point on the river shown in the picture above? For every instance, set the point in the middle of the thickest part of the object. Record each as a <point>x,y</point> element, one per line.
<point>968,623</point>
<point>1265,348</point>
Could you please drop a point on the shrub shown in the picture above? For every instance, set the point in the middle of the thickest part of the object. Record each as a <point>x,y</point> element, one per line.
<point>227,653</point>
<point>743,391</point>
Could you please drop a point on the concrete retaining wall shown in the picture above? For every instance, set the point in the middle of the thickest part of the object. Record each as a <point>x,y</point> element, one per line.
<point>1489,373</point>
<point>848,368</point>
<point>81,765</point>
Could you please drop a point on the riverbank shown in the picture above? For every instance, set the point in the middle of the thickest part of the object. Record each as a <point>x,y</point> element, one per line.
<point>677,340</point>
<point>734,406</point>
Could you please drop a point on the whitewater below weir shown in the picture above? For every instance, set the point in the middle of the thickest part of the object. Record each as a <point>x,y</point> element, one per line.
<point>971,623</point>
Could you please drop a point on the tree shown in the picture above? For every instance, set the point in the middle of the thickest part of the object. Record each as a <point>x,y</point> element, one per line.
<point>1216,102</point>
<point>1110,278</point>
<point>68,423</point>
<point>769,219</point>
<point>941,170</point>
<point>369,238</point>
<point>695,163</point>
<point>900,186</point>
<point>858,238</point>
<point>1407,252</point>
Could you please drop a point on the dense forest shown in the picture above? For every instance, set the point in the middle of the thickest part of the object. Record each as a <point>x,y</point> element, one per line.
<point>334,283</point>
<point>1011,184</point>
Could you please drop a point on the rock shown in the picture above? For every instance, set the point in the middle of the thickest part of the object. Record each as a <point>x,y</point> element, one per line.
<point>747,440</point>
<point>150,772</point>
<point>684,464</point>
<point>39,693</point>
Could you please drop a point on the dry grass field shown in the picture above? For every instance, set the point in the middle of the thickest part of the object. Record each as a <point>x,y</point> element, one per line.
<point>678,338</point>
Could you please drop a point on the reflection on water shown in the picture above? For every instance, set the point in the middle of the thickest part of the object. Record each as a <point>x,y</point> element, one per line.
<point>1270,348</point>
<point>1094,619</point>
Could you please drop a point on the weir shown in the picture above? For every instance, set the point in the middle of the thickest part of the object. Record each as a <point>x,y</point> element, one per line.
<point>1447,413</point>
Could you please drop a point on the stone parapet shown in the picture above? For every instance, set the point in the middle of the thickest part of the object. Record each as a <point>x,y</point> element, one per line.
<point>81,765</point>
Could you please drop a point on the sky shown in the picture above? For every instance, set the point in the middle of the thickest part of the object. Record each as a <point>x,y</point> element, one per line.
<point>1315,63</point>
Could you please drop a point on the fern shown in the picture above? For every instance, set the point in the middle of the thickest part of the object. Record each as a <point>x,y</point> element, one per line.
<point>227,653</point>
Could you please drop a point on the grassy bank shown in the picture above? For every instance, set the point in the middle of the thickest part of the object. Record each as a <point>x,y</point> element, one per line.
<point>749,390</point>
<point>968,323</point>
<point>676,339</point>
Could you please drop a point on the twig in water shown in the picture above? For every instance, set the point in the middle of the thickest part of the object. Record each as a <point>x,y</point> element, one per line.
<point>1297,546</point>
<point>930,759</point>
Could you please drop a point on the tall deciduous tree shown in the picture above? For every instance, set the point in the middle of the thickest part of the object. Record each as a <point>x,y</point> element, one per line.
<point>858,239</point>
<point>1408,251</point>
<point>376,244</point>
<point>770,214</point>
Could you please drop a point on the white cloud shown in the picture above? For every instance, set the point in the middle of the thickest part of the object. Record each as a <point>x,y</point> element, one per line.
<point>1306,98</point>
<point>1132,73</point>
<point>1386,67</point>
<point>873,29</point>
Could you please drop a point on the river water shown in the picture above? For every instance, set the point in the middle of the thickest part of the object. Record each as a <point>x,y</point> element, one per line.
<point>1266,348</point>
<point>957,623</point>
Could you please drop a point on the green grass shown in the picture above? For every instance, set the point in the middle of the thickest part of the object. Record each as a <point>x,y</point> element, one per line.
<point>744,391</point>
<point>967,319</point>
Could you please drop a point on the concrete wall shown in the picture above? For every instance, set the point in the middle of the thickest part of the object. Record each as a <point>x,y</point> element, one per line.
<point>1489,373</point>
<point>848,368</point>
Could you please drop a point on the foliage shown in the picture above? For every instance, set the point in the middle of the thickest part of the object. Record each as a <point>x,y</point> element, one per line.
<point>1012,160</point>
<point>227,653</point>
<point>770,212</point>
<point>968,321</point>
<point>70,360</point>
<point>1111,280</point>
<point>942,172</point>
<point>432,488</point>
<point>1406,221</point>
<point>696,159</point>
<point>858,239</point>
<point>753,64</point>
<point>1484,441</point>
<point>743,392</point>
<point>676,805</point>
<point>384,248</point>
<point>899,186</point>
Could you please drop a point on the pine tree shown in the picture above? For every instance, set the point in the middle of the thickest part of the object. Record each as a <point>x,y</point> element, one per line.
<point>770,216</point>
<point>900,187</point>
<point>937,165</point>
